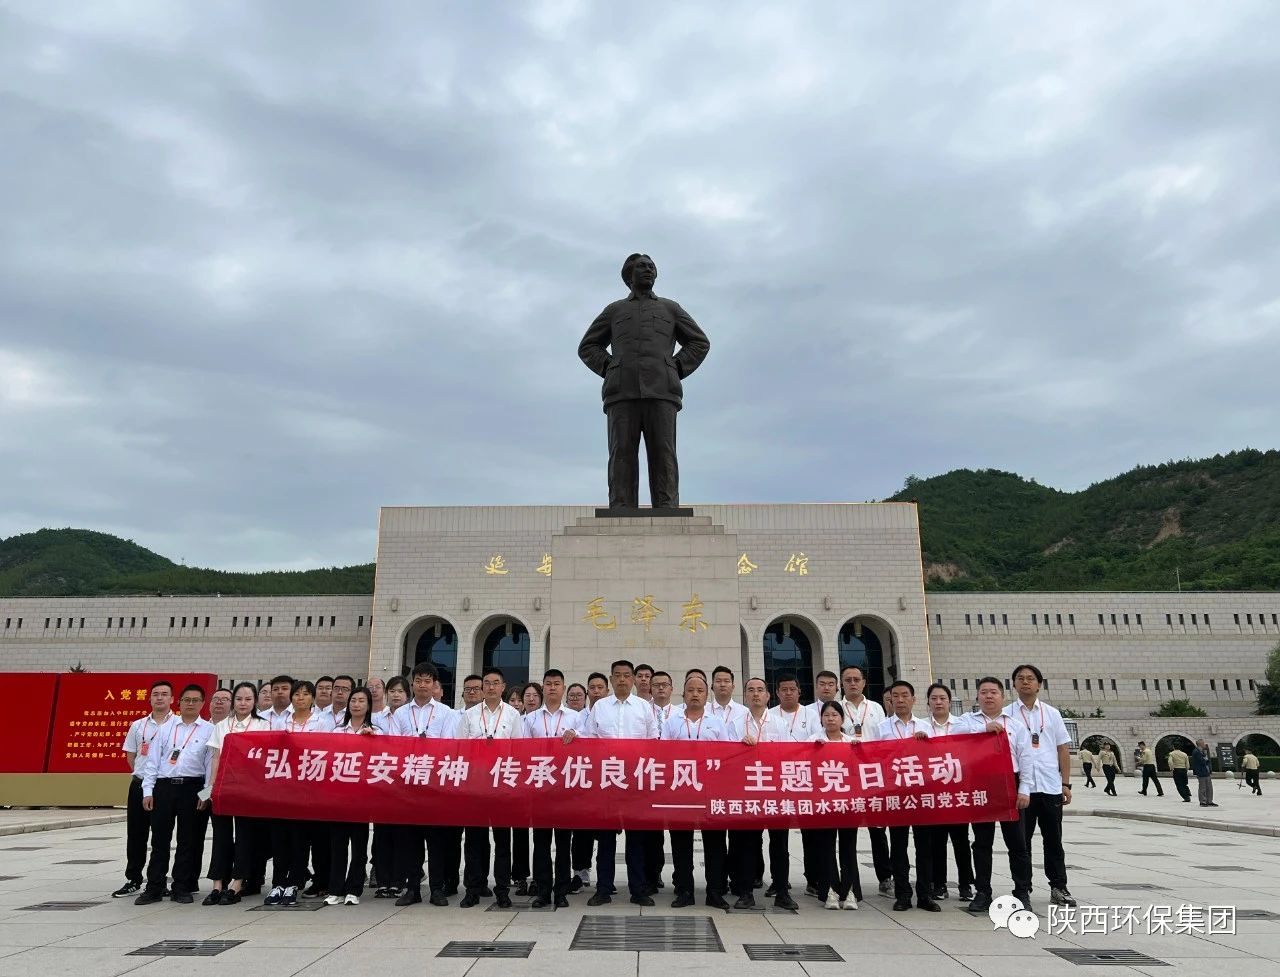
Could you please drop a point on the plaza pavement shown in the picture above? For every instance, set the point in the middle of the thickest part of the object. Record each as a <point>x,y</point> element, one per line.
<point>1191,865</point>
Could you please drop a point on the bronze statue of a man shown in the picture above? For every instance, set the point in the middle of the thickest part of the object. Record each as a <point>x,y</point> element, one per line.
<point>632,344</point>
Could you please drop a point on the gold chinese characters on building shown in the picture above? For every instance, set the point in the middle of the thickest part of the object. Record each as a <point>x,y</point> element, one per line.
<point>544,567</point>
<point>497,566</point>
<point>799,563</point>
<point>644,611</point>
<point>691,615</point>
<point>745,566</point>
<point>598,616</point>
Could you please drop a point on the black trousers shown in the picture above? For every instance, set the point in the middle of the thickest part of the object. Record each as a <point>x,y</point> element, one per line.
<point>384,854</point>
<point>1149,775</point>
<point>546,884</point>
<point>1045,810</point>
<point>741,858</point>
<point>290,846</point>
<point>880,853</point>
<point>984,833</point>
<point>318,842</point>
<point>348,856</point>
<point>137,832</point>
<point>222,857</point>
<point>1180,783</point>
<point>959,836</point>
<point>437,845</point>
<point>475,874</point>
<point>250,840</point>
<point>779,855</point>
<point>628,421</point>
<point>835,862</point>
<point>1110,774</point>
<point>1250,778</point>
<point>901,860</point>
<point>606,849</point>
<point>175,805</point>
<point>713,855</point>
<point>655,857</point>
<point>520,854</point>
<point>584,843</point>
<point>1088,774</point>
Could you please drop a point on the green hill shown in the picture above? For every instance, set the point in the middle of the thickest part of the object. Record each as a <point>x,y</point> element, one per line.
<point>1216,522</point>
<point>78,562</point>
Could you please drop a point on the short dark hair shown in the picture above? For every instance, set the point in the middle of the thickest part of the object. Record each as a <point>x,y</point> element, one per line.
<point>826,674</point>
<point>619,663</point>
<point>629,264</point>
<point>494,670</point>
<point>667,674</point>
<point>424,668</point>
<point>193,687</point>
<point>834,706</point>
<point>397,682</point>
<point>861,671</point>
<point>302,685</point>
<point>1032,669</point>
<point>989,680</point>
<point>598,675</point>
<point>338,678</point>
<point>756,678</point>
<point>536,686</point>
<point>473,677</point>
<point>576,685</point>
<point>553,673</point>
<point>938,685</point>
<point>785,677</point>
<point>162,683</point>
<point>725,669</point>
<point>644,666</point>
<point>324,678</point>
<point>282,680</point>
<point>902,683</point>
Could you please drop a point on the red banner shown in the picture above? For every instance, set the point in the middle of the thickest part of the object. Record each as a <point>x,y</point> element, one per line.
<point>27,742</point>
<point>602,784</point>
<point>95,710</point>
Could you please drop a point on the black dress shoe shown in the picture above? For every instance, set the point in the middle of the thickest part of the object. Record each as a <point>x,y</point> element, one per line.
<point>747,901</point>
<point>148,897</point>
<point>929,906</point>
<point>770,892</point>
<point>940,892</point>
<point>783,900</point>
<point>539,902</point>
<point>716,901</point>
<point>522,887</point>
<point>181,896</point>
<point>575,885</point>
<point>485,893</point>
<point>599,899</point>
<point>659,884</point>
<point>682,900</point>
<point>980,904</point>
<point>966,893</point>
<point>229,897</point>
<point>901,905</point>
<point>562,902</point>
<point>212,899</point>
<point>640,900</point>
<point>502,900</point>
<point>409,897</point>
<point>438,898</point>
<point>469,901</point>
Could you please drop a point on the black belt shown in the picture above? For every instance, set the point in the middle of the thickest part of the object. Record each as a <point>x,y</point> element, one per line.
<point>179,780</point>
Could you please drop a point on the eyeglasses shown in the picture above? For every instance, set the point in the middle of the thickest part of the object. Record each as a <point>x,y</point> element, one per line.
<point>187,700</point>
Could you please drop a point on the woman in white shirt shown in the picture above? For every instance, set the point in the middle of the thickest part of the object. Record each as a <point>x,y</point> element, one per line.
<point>396,694</point>
<point>838,883</point>
<point>942,723</point>
<point>292,840</point>
<point>346,875</point>
<point>234,839</point>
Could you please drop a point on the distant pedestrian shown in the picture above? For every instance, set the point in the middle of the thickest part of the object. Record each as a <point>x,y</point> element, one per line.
<point>1179,765</point>
<point>1147,760</point>
<point>1086,765</point>
<point>1108,760</point>
<point>1249,764</point>
<point>1203,770</point>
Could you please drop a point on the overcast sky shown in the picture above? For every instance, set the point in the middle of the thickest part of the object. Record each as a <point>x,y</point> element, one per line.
<point>267,266</point>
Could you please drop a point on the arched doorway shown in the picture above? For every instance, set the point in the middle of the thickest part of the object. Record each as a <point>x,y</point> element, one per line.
<point>869,643</point>
<point>790,646</point>
<point>1167,744</point>
<point>434,639</point>
<point>1260,743</point>
<point>504,643</point>
<point>1094,745</point>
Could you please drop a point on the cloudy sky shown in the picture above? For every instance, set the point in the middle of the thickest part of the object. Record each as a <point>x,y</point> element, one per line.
<point>267,266</point>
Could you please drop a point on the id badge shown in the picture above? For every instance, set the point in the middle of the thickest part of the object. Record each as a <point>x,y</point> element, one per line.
<point>1035,739</point>
<point>422,735</point>
<point>173,758</point>
<point>857,729</point>
<point>146,748</point>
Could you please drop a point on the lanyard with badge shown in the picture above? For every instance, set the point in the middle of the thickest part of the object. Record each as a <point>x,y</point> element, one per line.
<point>862,715</point>
<point>760,724</point>
<point>688,726</point>
<point>176,750</point>
<point>1035,735</point>
<point>546,730</point>
<point>422,731</point>
<point>898,724</point>
<point>146,743</point>
<point>946,729</point>
<point>484,723</point>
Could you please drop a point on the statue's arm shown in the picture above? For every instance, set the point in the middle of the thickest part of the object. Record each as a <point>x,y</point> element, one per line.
<point>594,348</point>
<point>694,344</point>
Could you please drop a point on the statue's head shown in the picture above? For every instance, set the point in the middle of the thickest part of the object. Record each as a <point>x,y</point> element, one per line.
<point>639,271</point>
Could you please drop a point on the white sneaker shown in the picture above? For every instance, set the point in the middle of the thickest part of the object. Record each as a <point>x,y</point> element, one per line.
<point>850,903</point>
<point>332,900</point>
<point>833,901</point>
<point>352,900</point>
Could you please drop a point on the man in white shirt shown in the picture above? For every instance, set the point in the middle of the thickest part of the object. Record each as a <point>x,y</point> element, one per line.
<point>826,688</point>
<point>761,725</point>
<point>734,715</point>
<point>663,707</point>
<point>137,747</point>
<point>597,688</point>
<point>1047,777</point>
<point>990,719</point>
<point>801,724</point>
<point>174,773</point>
<point>281,702</point>
<point>863,717</point>
<point>551,722</point>
<point>424,718</point>
<point>324,693</point>
<point>219,706</point>
<point>336,713</point>
<point>644,682</point>
<point>620,716</point>
<point>377,696</point>
<point>472,691</point>
<point>489,719</point>
<point>584,842</point>
<point>903,725</point>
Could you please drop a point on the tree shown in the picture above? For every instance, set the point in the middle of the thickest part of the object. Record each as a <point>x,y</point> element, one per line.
<point>1269,691</point>
<point>1178,708</point>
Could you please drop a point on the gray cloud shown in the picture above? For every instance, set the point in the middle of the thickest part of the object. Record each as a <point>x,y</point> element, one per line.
<point>267,267</point>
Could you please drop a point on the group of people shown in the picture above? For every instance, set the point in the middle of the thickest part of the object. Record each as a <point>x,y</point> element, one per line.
<point>174,756</point>
<point>1199,764</point>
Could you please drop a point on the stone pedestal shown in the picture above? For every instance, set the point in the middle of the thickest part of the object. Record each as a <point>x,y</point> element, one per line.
<point>660,590</point>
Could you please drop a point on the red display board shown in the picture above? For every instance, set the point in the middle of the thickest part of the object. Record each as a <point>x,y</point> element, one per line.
<point>27,744</point>
<point>95,710</point>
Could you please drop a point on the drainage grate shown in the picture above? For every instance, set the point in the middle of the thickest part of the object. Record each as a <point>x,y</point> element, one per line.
<point>303,906</point>
<point>184,948</point>
<point>696,934</point>
<point>58,907</point>
<point>1133,887</point>
<point>1256,914</point>
<point>807,952</point>
<point>521,906</point>
<point>1107,958</point>
<point>465,948</point>
<point>1224,868</point>
<point>84,861</point>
